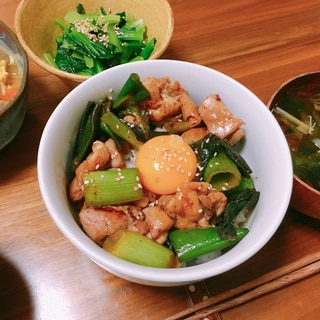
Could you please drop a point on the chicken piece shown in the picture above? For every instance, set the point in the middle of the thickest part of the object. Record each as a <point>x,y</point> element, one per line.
<point>100,222</point>
<point>193,205</point>
<point>189,110</point>
<point>103,155</point>
<point>218,119</point>
<point>166,107</point>
<point>235,136</point>
<point>96,160</point>
<point>194,134</point>
<point>158,223</point>
<point>139,226</point>
<point>116,157</point>
<point>154,86</point>
<point>163,101</point>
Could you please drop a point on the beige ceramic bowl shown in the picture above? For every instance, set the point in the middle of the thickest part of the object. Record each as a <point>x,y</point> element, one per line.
<point>36,29</point>
<point>304,198</point>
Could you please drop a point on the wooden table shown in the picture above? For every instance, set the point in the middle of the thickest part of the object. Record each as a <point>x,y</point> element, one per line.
<point>42,276</point>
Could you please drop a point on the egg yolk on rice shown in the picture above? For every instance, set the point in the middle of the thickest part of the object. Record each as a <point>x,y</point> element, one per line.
<point>165,163</point>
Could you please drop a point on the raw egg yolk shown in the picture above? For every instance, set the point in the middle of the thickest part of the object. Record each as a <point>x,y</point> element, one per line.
<point>165,163</point>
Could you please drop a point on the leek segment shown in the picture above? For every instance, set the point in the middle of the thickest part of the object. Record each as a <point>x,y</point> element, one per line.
<point>291,121</point>
<point>190,244</point>
<point>121,129</point>
<point>222,173</point>
<point>111,187</point>
<point>136,248</point>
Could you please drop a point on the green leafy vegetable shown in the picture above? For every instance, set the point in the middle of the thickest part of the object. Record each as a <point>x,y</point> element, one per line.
<point>207,147</point>
<point>132,92</point>
<point>95,41</point>
<point>245,199</point>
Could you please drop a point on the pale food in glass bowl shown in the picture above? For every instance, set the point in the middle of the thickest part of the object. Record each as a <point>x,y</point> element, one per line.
<point>13,85</point>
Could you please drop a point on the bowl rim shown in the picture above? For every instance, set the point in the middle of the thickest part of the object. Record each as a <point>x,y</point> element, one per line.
<point>24,67</point>
<point>127,270</point>
<point>76,77</point>
<point>288,81</point>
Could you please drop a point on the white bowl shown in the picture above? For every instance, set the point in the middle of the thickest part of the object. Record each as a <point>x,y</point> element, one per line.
<point>265,150</point>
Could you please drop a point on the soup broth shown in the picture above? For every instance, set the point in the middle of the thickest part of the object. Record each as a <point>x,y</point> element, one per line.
<point>299,115</point>
<point>10,80</point>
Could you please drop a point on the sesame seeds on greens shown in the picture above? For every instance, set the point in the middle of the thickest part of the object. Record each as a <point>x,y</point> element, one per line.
<point>95,41</point>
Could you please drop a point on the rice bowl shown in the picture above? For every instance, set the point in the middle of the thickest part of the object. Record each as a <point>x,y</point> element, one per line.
<point>271,165</point>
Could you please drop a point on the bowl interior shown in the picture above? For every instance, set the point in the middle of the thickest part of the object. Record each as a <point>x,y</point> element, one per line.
<point>10,44</point>
<point>39,37</point>
<point>12,113</point>
<point>271,165</point>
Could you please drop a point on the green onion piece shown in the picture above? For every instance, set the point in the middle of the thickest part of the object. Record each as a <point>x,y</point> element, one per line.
<point>222,173</point>
<point>132,92</point>
<point>176,125</point>
<point>292,121</point>
<point>106,130</point>
<point>192,243</point>
<point>142,118</point>
<point>121,129</point>
<point>89,126</point>
<point>134,247</point>
<point>235,156</point>
<point>246,183</point>
<point>111,187</point>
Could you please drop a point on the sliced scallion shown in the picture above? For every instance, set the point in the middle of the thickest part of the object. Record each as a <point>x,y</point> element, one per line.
<point>111,187</point>
<point>222,173</point>
<point>121,129</point>
<point>291,121</point>
<point>189,244</point>
<point>136,248</point>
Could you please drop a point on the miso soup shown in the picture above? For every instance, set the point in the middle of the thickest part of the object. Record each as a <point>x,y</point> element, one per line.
<point>298,113</point>
<point>10,80</point>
